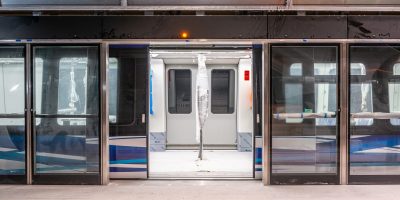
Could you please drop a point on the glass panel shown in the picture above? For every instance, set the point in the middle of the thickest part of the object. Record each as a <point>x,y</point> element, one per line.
<point>346,2</point>
<point>374,117</point>
<point>58,2</point>
<point>12,80</point>
<point>12,146</point>
<point>70,76</point>
<point>179,91</point>
<point>394,95</point>
<point>12,101</point>
<point>304,125</point>
<point>204,2</point>
<point>66,83</point>
<point>222,91</point>
<point>71,148</point>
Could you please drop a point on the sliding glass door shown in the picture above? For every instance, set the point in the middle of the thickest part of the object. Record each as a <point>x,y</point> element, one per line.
<point>12,115</point>
<point>374,114</point>
<point>304,122</point>
<point>66,115</point>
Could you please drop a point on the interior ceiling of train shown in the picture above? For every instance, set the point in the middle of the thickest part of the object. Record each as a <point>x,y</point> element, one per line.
<point>212,56</point>
<point>196,7</point>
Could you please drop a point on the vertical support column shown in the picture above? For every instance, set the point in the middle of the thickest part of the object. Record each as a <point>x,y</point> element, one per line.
<point>124,3</point>
<point>266,114</point>
<point>344,113</point>
<point>28,114</point>
<point>104,153</point>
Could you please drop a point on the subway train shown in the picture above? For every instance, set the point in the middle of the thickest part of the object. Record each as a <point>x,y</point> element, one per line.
<point>285,92</point>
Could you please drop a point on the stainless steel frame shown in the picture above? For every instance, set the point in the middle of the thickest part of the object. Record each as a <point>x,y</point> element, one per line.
<point>28,114</point>
<point>343,113</point>
<point>104,169</point>
<point>271,8</point>
<point>266,114</point>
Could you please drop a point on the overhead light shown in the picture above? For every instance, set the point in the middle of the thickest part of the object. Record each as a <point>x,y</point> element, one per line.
<point>184,35</point>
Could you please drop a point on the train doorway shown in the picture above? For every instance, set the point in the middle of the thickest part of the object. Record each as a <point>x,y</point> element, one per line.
<point>176,111</point>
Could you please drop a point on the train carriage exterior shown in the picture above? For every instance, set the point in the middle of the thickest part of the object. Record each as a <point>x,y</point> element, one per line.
<point>299,92</point>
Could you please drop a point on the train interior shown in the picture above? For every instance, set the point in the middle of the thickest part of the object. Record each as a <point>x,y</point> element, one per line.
<point>175,119</point>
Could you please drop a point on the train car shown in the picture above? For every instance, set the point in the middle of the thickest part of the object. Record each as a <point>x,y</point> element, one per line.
<point>292,92</point>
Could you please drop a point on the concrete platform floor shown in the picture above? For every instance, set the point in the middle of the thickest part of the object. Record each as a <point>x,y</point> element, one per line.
<point>216,164</point>
<point>193,190</point>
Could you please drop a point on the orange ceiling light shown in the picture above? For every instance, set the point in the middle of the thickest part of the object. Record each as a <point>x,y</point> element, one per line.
<point>184,35</point>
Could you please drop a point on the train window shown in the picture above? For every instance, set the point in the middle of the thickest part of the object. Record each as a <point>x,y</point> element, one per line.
<point>222,91</point>
<point>394,94</point>
<point>361,98</point>
<point>72,89</point>
<point>12,90</point>
<point>294,101</point>
<point>296,69</point>
<point>294,94</point>
<point>325,93</point>
<point>179,91</point>
<point>113,89</point>
<point>12,101</point>
<point>325,69</point>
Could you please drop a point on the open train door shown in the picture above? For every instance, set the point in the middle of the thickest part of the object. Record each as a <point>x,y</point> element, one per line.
<point>128,72</point>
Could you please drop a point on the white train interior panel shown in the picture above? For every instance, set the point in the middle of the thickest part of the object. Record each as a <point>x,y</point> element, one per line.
<point>227,133</point>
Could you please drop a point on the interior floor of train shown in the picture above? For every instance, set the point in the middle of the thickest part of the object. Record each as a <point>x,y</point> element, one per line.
<point>216,164</point>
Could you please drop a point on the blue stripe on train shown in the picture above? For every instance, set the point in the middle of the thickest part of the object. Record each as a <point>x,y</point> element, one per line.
<point>132,161</point>
<point>127,153</point>
<point>125,169</point>
<point>258,155</point>
<point>373,142</point>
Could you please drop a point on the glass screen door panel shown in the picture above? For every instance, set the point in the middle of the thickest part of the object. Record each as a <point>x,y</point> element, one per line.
<point>304,125</point>
<point>66,115</point>
<point>374,114</point>
<point>12,114</point>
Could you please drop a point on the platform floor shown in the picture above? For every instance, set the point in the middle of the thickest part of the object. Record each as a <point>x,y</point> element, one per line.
<point>216,164</point>
<point>198,190</point>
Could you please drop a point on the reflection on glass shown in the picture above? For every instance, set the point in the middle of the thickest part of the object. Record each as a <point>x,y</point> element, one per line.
<point>375,113</point>
<point>222,91</point>
<point>394,95</point>
<point>59,3</point>
<point>304,126</point>
<point>179,91</point>
<point>12,146</point>
<point>12,101</point>
<point>68,148</point>
<point>113,89</point>
<point>67,105</point>
<point>68,75</point>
